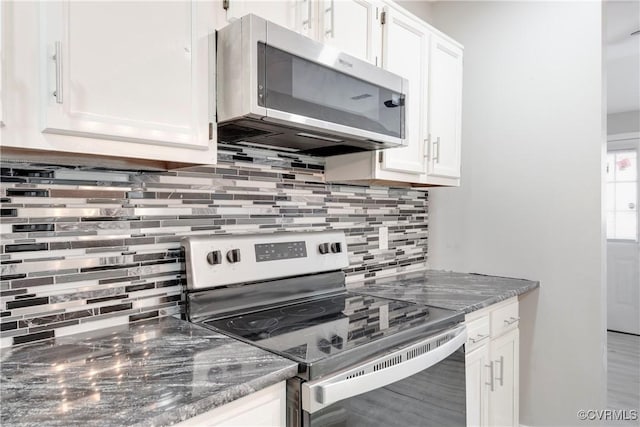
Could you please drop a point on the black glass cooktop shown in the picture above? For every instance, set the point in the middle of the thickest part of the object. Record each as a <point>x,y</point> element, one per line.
<point>332,327</point>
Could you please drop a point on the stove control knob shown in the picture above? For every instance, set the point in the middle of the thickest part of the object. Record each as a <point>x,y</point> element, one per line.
<point>233,256</point>
<point>214,257</point>
<point>336,247</point>
<point>323,248</point>
<point>324,345</point>
<point>337,342</point>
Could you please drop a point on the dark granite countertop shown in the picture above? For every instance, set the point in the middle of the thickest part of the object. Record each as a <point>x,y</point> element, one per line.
<point>150,373</point>
<point>456,291</point>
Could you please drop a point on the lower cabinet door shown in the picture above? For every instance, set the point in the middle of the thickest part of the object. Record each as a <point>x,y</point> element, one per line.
<point>477,362</point>
<point>503,400</point>
<point>264,408</point>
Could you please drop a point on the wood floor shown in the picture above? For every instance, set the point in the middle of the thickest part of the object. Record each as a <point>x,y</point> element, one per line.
<point>623,373</point>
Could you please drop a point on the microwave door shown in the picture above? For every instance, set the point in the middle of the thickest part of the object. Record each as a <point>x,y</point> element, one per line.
<point>316,89</point>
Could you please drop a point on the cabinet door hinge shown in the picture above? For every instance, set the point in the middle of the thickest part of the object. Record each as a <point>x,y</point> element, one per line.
<point>210,131</point>
<point>225,4</point>
<point>380,156</point>
<point>383,18</point>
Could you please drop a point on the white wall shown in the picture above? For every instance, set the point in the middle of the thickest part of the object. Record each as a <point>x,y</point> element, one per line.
<point>420,8</point>
<point>626,122</point>
<point>530,200</point>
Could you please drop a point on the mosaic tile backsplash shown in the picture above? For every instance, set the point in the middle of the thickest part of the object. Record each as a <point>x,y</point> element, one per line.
<point>84,249</point>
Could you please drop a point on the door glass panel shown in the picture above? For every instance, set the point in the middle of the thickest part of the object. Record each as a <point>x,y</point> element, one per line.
<point>626,167</point>
<point>626,196</point>
<point>291,85</point>
<point>611,224</point>
<point>625,225</point>
<point>622,195</point>
<point>611,199</point>
<point>611,161</point>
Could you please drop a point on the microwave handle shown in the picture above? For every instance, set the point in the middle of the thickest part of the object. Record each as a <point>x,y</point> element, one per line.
<point>336,388</point>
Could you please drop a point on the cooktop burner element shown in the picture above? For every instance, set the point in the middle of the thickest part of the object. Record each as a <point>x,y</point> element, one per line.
<point>302,311</point>
<point>254,325</point>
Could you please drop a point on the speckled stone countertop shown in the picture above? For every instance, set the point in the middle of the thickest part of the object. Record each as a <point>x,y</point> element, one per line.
<point>456,291</point>
<point>150,373</point>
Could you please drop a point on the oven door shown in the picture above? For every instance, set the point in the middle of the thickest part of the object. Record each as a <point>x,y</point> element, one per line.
<point>419,385</point>
<point>318,88</point>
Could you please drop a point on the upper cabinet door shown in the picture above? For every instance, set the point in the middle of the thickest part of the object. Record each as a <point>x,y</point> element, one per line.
<point>351,26</point>
<point>127,71</point>
<point>445,108</point>
<point>296,15</point>
<point>405,47</point>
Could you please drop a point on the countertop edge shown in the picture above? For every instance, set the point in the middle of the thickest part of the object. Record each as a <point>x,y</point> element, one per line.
<point>503,297</point>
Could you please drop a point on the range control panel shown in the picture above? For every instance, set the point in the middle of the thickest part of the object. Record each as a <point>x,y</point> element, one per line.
<point>221,260</point>
<point>276,251</point>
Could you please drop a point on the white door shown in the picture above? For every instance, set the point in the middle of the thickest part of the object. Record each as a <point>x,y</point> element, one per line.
<point>295,15</point>
<point>351,26</point>
<point>623,248</point>
<point>129,71</point>
<point>476,371</point>
<point>403,35</point>
<point>445,108</point>
<point>503,400</point>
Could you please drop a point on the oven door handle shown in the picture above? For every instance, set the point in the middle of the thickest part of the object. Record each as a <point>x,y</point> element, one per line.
<point>382,371</point>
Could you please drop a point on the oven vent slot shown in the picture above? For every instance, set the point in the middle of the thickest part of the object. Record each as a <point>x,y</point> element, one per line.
<point>387,363</point>
<point>443,340</point>
<point>355,374</point>
<point>418,351</point>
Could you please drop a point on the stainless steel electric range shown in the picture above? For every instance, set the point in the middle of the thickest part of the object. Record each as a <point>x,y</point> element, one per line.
<point>363,360</point>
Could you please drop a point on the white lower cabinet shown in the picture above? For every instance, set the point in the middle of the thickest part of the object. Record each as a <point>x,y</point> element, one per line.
<point>503,401</point>
<point>492,367</point>
<point>264,408</point>
<point>476,376</point>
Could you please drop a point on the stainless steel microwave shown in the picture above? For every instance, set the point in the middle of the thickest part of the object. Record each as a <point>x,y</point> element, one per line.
<point>278,88</point>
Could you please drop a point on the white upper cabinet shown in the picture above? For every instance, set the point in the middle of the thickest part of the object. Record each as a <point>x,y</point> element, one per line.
<point>351,26</point>
<point>432,64</point>
<point>296,15</point>
<point>130,70</point>
<point>124,79</point>
<point>445,105</point>
<point>401,36</point>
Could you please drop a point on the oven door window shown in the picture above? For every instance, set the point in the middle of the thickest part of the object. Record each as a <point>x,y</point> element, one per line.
<point>295,85</point>
<point>433,397</point>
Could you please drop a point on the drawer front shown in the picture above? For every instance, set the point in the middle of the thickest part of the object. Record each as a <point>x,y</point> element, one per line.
<point>478,332</point>
<point>504,319</point>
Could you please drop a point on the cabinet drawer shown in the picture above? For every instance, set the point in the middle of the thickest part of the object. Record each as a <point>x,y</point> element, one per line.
<point>504,319</point>
<point>478,332</point>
